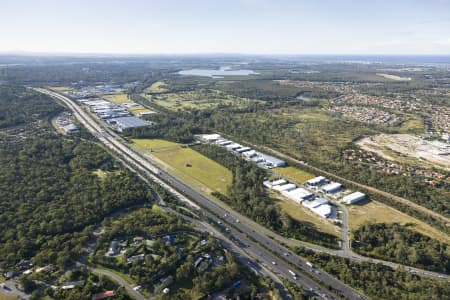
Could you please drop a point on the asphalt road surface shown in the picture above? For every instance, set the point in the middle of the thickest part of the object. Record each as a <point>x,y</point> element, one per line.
<point>261,237</point>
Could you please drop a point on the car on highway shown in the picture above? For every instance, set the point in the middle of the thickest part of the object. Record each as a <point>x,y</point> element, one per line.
<point>274,263</point>
<point>237,220</point>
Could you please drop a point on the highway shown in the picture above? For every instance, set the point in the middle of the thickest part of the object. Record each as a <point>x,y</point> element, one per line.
<point>264,257</point>
<point>247,228</point>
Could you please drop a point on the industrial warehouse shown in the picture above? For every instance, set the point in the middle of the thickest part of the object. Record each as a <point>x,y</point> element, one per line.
<point>263,160</point>
<point>300,195</point>
<point>118,116</point>
<point>306,195</point>
<point>320,185</point>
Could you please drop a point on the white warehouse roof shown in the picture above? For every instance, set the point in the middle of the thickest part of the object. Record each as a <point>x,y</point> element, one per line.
<point>323,210</point>
<point>332,187</point>
<point>284,187</point>
<point>298,194</point>
<point>211,137</point>
<point>278,182</point>
<point>353,197</point>
<point>315,203</point>
<point>316,180</point>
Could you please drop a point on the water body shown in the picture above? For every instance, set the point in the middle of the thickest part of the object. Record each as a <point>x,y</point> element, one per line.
<point>220,73</point>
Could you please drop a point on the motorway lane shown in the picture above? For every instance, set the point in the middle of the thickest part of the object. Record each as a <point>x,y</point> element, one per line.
<point>194,194</point>
<point>112,142</point>
<point>101,134</point>
<point>262,239</point>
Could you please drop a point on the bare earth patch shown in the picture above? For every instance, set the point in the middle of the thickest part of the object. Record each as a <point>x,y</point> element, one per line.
<point>430,153</point>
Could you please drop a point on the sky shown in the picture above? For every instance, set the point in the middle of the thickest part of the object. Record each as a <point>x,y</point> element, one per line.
<point>226,26</point>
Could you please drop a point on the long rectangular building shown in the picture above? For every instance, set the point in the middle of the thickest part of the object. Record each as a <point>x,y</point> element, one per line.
<point>353,198</point>
<point>298,194</point>
<point>284,187</point>
<point>124,123</point>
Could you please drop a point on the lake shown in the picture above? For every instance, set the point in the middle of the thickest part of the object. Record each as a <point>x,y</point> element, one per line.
<point>220,73</point>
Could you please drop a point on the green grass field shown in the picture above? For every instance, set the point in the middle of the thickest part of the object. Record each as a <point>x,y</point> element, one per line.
<point>154,144</point>
<point>302,214</point>
<point>199,99</point>
<point>118,98</point>
<point>377,212</point>
<point>190,165</point>
<point>138,110</point>
<point>157,87</point>
<point>294,174</point>
<point>413,125</point>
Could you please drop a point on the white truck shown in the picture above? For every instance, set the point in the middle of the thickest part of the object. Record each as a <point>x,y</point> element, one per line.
<point>309,264</point>
<point>292,273</point>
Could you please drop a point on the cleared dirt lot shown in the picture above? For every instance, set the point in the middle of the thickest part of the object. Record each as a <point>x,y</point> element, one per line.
<point>408,148</point>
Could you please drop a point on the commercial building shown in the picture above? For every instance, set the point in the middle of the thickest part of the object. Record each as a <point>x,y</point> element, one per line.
<point>225,143</point>
<point>261,159</point>
<point>323,210</point>
<point>249,154</point>
<point>233,146</point>
<point>319,206</point>
<point>272,162</point>
<point>70,128</point>
<point>124,123</point>
<point>242,149</point>
<point>315,203</point>
<point>271,184</point>
<point>298,194</point>
<point>317,181</point>
<point>332,188</point>
<point>284,187</point>
<point>210,138</point>
<point>353,198</point>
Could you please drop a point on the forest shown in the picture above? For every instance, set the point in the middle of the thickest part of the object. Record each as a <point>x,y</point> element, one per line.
<point>300,132</point>
<point>163,259</point>
<point>50,197</point>
<point>20,105</point>
<point>397,243</point>
<point>378,281</point>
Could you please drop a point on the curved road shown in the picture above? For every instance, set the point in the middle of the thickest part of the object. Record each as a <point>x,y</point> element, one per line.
<point>247,228</point>
<point>363,186</point>
<point>296,264</point>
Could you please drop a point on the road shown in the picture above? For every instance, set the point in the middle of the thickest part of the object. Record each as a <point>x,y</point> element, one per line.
<point>296,264</point>
<point>136,295</point>
<point>247,228</point>
<point>360,185</point>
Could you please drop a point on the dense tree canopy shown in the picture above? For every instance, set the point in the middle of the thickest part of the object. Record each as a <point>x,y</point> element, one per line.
<point>398,243</point>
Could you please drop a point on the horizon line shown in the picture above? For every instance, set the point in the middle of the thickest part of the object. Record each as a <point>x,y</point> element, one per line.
<point>143,54</point>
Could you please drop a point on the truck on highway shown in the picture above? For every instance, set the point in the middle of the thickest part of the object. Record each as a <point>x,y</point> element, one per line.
<point>309,264</point>
<point>292,273</point>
